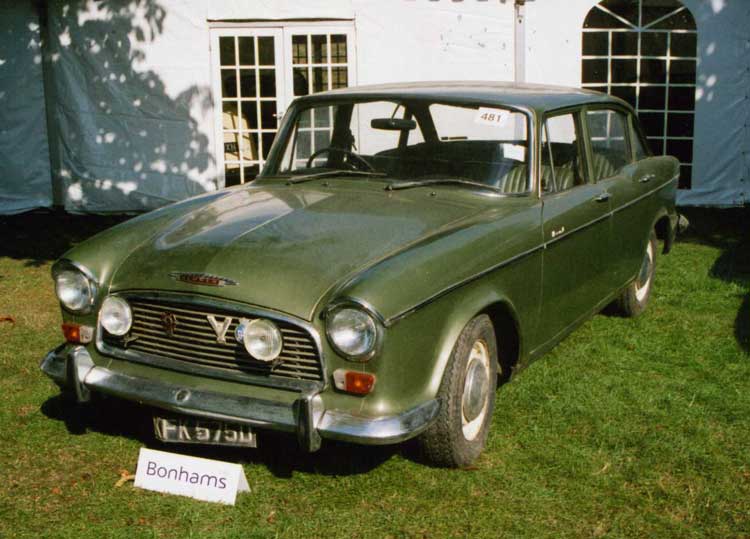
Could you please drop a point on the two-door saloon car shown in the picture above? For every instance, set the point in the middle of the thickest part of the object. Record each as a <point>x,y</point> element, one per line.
<point>404,248</point>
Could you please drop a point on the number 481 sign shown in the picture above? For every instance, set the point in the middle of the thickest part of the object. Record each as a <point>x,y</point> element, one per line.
<point>487,116</point>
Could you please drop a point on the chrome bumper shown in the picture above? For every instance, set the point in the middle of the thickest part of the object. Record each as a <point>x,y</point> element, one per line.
<point>73,368</point>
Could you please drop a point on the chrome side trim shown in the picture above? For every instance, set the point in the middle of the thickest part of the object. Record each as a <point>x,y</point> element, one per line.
<point>572,231</point>
<point>403,314</point>
<point>645,195</point>
<point>343,426</point>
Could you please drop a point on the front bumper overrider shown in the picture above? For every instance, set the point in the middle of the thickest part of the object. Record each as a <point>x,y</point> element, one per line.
<point>73,368</point>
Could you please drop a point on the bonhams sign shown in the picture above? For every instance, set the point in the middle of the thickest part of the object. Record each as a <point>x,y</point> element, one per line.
<point>202,479</point>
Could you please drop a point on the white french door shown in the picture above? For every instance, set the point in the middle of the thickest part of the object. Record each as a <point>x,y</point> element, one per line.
<point>257,72</point>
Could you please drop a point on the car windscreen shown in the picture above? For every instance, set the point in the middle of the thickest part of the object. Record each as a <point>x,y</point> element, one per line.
<point>410,140</point>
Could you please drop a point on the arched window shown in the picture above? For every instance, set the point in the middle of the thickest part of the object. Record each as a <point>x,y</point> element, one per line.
<point>644,51</point>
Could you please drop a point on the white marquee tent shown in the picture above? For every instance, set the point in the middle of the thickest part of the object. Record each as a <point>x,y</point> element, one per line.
<point>130,105</point>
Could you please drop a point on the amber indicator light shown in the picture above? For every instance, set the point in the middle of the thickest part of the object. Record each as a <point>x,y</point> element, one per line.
<point>359,383</point>
<point>72,332</point>
<point>77,334</point>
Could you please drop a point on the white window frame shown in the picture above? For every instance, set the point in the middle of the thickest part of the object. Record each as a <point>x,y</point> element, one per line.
<point>283,31</point>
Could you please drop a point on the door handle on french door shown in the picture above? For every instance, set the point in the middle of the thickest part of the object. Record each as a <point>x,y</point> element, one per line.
<point>604,197</point>
<point>647,178</point>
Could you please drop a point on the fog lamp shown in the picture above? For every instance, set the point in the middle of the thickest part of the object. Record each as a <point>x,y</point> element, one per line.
<point>262,339</point>
<point>115,316</point>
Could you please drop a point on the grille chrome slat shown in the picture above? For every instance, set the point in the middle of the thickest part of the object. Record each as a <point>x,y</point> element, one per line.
<point>206,351</point>
<point>199,324</point>
<point>180,331</point>
<point>194,341</point>
<point>293,349</point>
<point>255,365</point>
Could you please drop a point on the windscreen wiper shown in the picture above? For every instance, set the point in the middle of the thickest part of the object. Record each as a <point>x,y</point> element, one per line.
<point>451,181</point>
<point>335,172</point>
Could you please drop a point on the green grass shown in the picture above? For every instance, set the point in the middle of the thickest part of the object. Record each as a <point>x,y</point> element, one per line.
<point>629,428</point>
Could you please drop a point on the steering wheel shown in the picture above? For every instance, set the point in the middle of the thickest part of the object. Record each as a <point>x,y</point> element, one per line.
<point>355,159</point>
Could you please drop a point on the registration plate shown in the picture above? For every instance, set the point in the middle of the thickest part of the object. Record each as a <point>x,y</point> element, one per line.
<point>190,430</point>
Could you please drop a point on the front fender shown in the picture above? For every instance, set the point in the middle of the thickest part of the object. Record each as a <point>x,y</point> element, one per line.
<point>416,348</point>
<point>399,285</point>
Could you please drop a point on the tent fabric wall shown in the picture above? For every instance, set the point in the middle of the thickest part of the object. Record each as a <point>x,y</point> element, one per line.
<point>400,40</point>
<point>25,181</point>
<point>722,140</point>
<point>722,107</point>
<point>131,104</point>
<point>132,116</point>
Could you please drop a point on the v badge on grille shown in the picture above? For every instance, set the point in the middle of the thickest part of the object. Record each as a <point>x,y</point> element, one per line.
<point>220,328</point>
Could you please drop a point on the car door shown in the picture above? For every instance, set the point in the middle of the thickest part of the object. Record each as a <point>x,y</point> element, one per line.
<point>575,221</point>
<point>626,180</point>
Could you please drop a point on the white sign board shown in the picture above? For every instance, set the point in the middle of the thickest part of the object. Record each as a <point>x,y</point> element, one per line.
<point>202,479</point>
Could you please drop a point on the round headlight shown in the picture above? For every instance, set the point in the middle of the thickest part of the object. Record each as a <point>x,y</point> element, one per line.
<point>352,331</point>
<point>74,290</point>
<point>262,339</point>
<point>115,316</point>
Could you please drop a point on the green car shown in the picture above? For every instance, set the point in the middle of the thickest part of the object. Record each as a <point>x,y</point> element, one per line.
<point>405,248</point>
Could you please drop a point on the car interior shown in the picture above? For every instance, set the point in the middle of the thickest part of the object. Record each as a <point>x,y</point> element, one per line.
<point>436,157</point>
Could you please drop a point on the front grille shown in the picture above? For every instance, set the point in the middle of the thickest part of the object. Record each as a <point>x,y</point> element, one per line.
<point>194,342</point>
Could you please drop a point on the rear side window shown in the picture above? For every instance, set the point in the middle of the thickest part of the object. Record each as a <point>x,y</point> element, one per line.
<point>639,149</point>
<point>609,142</point>
<point>562,166</point>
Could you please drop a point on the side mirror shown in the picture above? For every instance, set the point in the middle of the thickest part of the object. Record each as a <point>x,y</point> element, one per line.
<point>393,124</point>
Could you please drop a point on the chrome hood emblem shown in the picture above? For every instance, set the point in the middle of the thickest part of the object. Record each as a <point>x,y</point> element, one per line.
<point>205,279</point>
<point>220,328</point>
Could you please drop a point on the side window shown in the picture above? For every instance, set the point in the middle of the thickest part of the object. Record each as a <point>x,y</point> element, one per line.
<point>562,167</point>
<point>609,143</point>
<point>639,149</point>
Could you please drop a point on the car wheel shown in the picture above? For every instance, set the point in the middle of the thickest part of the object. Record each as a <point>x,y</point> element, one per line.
<point>634,298</point>
<point>467,398</point>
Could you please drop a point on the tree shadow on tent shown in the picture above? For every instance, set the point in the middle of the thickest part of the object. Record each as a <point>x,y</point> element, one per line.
<point>126,123</point>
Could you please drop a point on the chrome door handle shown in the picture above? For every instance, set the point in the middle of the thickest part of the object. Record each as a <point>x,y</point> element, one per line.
<point>604,197</point>
<point>647,178</point>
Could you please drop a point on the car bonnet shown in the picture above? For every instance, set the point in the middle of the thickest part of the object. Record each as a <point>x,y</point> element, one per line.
<point>286,247</point>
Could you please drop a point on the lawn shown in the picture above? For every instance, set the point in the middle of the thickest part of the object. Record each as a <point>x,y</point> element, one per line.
<point>629,428</point>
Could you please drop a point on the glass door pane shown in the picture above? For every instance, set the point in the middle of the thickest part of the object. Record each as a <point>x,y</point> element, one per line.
<point>319,59</point>
<point>249,95</point>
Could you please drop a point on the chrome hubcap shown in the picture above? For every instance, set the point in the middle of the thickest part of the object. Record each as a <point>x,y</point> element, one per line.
<point>643,282</point>
<point>476,390</point>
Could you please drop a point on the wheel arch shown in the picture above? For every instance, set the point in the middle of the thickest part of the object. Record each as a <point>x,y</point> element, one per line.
<point>507,337</point>
<point>505,321</point>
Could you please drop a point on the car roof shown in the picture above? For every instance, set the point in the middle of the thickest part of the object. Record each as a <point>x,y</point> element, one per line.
<point>539,97</point>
